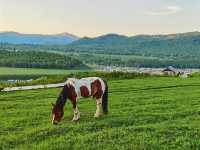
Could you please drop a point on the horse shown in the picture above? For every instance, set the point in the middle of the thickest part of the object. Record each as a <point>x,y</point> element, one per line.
<point>81,88</point>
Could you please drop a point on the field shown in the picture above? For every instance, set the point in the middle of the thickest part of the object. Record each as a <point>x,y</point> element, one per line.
<point>31,71</point>
<point>149,113</point>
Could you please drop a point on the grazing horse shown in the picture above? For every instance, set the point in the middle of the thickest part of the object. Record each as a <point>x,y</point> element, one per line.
<point>76,88</point>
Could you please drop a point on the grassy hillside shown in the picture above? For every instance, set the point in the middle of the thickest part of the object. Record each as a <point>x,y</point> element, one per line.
<point>151,113</point>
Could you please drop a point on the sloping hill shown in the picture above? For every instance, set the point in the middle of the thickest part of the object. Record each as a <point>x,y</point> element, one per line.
<point>104,39</point>
<point>19,38</point>
<point>185,44</point>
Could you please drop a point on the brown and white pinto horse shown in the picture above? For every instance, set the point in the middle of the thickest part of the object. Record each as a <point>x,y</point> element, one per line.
<point>76,88</point>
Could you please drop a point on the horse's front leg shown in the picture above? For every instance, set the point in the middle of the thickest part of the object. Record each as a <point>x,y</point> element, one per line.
<point>76,112</point>
<point>99,108</point>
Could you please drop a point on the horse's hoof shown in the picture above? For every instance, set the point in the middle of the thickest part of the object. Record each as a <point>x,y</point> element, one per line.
<point>75,120</point>
<point>97,116</point>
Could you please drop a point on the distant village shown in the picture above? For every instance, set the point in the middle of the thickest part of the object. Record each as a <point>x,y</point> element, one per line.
<point>153,71</point>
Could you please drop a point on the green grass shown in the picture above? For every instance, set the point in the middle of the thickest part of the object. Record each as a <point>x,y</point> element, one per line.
<point>40,76</point>
<point>32,71</point>
<point>150,113</point>
<point>49,79</point>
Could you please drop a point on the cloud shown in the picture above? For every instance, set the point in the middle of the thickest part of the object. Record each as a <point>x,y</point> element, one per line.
<point>169,10</point>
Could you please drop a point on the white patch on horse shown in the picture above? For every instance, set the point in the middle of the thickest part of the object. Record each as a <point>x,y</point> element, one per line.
<point>84,82</point>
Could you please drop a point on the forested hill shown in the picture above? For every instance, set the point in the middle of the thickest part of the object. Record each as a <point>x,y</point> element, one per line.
<point>32,59</point>
<point>172,45</point>
<point>178,50</point>
<point>43,39</point>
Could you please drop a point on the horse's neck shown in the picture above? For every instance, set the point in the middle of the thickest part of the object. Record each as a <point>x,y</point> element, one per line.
<point>61,103</point>
<point>62,97</point>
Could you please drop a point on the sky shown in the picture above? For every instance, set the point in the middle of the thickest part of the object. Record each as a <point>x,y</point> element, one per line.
<point>97,17</point>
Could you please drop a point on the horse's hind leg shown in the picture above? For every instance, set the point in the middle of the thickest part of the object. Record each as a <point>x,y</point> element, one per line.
<point>76,112</point>
<point>99,108</point>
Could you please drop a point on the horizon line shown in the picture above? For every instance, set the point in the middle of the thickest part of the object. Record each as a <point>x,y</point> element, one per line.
<point>59,33</point>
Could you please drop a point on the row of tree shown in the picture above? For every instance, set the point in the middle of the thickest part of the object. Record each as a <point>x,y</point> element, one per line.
<point>34,59</point>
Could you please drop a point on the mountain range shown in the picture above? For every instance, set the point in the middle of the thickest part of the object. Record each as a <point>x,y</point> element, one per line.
<point>182,44</point>
<point>67,38</point>
<point>121,39</point>
<point>40,39</point>
<point>171,45</point>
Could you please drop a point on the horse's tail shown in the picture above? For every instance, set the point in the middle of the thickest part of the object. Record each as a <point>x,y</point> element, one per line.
<point>105,99</point>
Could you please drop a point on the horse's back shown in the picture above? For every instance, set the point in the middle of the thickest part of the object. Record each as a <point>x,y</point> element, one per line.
<point>89,80</point>
<point>84,87</point>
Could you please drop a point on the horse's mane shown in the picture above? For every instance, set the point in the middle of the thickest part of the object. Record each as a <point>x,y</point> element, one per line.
<point>71,81</point>
<point>62,97</point>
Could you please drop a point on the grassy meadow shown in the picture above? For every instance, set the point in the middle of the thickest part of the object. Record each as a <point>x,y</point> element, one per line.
<point>149,113</point>
<point>34,71</point>
<point>60,78</point>
<point>38,76</point>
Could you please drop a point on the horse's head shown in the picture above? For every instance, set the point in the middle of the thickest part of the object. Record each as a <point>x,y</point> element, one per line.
<point>57,113</point>
<point>57,110</point>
